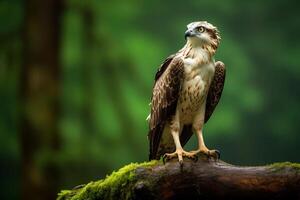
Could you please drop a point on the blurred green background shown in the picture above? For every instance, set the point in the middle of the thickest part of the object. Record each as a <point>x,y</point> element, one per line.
<point>76,79</point>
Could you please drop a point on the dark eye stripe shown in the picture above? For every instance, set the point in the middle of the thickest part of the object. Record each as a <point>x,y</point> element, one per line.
<point>212,33</point>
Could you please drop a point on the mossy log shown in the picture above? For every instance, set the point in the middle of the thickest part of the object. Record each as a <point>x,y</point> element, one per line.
<point>204,179</point>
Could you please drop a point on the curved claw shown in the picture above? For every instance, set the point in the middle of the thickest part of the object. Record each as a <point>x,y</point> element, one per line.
<point>195,158</point>
<point>218,154</point>
<point>215,154</point>
<point>181,163</point>
<point>164,159</point>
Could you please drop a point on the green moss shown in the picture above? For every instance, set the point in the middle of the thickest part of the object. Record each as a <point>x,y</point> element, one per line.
<point>64,194</point>
<point>109,188</point>
<point>284,165</point>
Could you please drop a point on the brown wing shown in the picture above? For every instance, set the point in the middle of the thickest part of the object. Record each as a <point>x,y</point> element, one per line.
<point>163,67</point>
<point>213,97</point>
<point>164,100</point>
<point>215,90</point>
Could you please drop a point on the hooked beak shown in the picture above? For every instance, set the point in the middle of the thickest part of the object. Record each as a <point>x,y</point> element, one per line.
<point>189,33</point>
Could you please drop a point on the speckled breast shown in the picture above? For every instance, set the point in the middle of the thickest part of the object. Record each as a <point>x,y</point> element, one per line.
<point>194,92</point>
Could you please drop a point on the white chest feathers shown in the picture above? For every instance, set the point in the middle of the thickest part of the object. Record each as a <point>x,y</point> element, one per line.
<point>195,86</point>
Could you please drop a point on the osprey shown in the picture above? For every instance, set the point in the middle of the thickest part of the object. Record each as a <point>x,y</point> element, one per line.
<point>188,86</point>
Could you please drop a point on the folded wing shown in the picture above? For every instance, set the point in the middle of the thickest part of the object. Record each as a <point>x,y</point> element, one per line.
<point>164,100</point>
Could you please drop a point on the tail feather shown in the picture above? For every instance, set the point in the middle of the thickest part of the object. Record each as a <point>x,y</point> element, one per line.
<point>154,136</point>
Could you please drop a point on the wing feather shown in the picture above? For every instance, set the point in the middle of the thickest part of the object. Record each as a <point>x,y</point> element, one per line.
<point>215,90</point>
<point>164,100</point>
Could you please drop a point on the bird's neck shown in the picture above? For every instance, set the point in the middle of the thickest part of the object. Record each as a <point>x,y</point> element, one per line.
<point>203,52</point>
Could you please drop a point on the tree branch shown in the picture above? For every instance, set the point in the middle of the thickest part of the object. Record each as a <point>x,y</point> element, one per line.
<point>204,179</point>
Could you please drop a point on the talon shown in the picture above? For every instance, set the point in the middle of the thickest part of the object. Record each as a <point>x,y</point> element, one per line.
<point>211,153</point>
<point>164,159</point>
<point>180,157</point>
<point>180,154</point>
<point>215,154</point>
<point>218,154</point>
<point>208,155</point>
<point>195,158</point>
<point>181,163</point>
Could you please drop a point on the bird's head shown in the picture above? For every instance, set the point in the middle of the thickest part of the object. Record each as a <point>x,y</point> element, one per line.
<point>203,34</point>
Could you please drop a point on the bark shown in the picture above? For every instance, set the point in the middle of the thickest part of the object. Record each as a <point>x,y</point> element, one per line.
<point>204,179</point>
<point>40,77</point>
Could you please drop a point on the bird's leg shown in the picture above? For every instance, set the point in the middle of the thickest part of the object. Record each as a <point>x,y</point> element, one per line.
<point>202,147</point>
<point>179,152</point>
<point>198,126</point>
<point>179,149</point>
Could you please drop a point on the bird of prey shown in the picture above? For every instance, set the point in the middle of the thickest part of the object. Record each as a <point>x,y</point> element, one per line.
<point>188,86</point>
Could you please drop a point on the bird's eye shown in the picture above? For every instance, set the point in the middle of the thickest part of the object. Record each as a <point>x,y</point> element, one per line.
<point>201,29</point>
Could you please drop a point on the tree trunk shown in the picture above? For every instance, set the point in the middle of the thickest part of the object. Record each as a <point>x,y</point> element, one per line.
<point>40,104</point>
<point>204,179</point>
